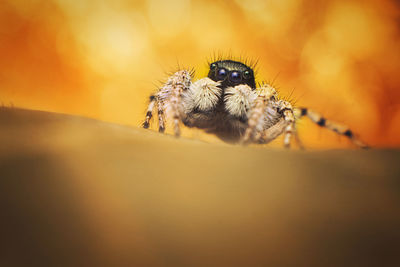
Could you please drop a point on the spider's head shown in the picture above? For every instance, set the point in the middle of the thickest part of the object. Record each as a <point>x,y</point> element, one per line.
<point>231,73</point>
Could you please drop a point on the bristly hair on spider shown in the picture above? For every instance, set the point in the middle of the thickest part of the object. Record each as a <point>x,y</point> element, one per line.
<point>221,56</point>
<point>179,67</point>
<point>230,104</point>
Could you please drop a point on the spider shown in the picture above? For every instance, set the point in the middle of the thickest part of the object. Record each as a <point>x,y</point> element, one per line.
<point>228,103</point>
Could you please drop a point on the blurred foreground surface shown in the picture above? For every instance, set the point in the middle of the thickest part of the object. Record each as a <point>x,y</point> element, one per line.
<point>80,192</point>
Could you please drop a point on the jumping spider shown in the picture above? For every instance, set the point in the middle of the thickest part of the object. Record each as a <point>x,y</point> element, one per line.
<point>228,104</point>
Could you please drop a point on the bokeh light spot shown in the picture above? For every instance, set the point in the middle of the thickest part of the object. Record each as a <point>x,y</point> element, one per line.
<point>169,18</point>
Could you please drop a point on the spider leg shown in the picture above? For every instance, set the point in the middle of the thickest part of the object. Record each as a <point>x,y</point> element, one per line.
<point>161,116</point>
<point>149,113</point>
<point>286,126</point>
<point>273,132</point>
<point>288,115</point>
<point>257,114</point>
<point>179,99</point>
<point>255,121</point>
<point>169,101</point>
<point>160,113</point>
<point>288,135</point>
<point>279,128</point>
<point>298,140</point>
<point>175,109</point>
<point>333,126</point>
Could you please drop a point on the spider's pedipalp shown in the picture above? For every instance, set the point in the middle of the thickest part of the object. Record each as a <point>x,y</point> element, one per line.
<point>238,100</point>
<point>204,95</point>
<point>333,126</point>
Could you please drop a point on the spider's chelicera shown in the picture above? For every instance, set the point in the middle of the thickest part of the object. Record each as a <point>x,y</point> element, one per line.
<point>228,104</point>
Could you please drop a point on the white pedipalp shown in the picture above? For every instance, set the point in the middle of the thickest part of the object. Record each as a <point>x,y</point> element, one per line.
<point>202,95</point>
<point>239,99</point>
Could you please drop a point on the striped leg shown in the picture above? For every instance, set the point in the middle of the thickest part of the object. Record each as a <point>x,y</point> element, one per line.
<point>161,116</point>
<point>149,113</point>
<point>169,99</point>
<point>288,116</point>
<point>160,113</point>
<point>333,126</point>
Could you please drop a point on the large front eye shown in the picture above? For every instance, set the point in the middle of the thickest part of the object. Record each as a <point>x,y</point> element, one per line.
<point>221,74</point>
<point>235,77</point>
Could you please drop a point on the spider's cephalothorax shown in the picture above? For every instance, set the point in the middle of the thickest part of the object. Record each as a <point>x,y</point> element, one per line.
<point>231,73</point>
<point>228,104</point>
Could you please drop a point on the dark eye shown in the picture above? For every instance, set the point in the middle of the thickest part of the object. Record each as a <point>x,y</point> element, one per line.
<point>235,77</point>
<point>246,74</point>
<point>221,74</point>
<point>213,66</point>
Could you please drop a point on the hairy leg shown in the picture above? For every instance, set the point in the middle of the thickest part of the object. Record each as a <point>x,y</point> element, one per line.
<point>169,100</point>
<point>273,132</point>
<point>260,111</point>
<point>287,111</point>
<point>161,116</point>
<point>149,113</point>
<point>286,125</point>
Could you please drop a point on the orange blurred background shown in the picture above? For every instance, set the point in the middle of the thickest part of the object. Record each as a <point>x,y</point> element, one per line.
<point>102,59</point>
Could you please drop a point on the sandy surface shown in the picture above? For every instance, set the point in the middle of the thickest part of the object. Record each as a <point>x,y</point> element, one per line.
<point>80,192</point>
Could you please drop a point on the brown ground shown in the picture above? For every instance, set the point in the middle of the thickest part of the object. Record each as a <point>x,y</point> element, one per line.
<point>80,192</point>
